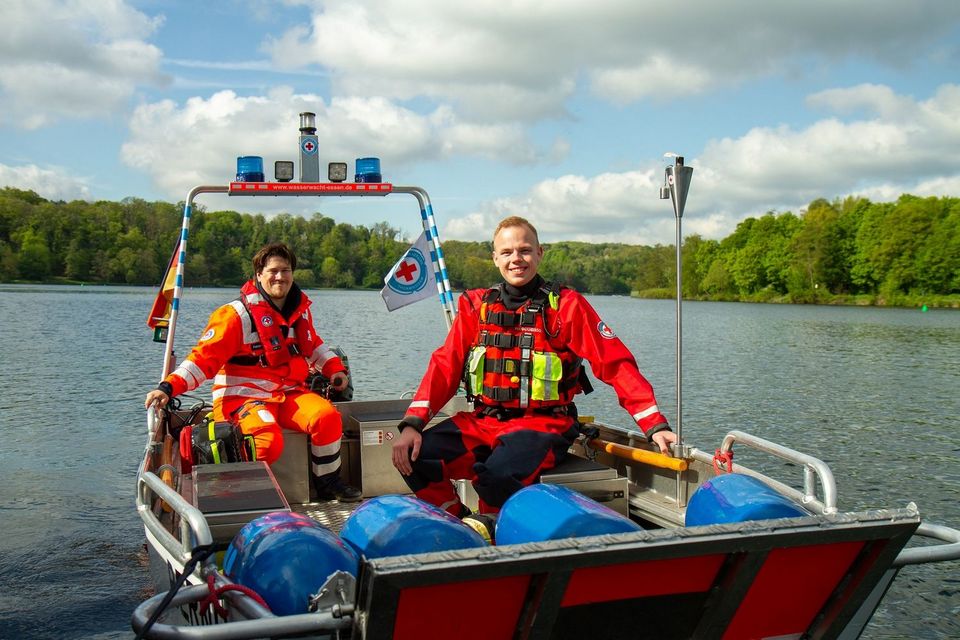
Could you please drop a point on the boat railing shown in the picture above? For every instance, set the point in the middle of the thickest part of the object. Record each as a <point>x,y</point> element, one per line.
<point>269,626</point>
<point>194,530</point>
<point>931,553</point>
<point>813,469</point>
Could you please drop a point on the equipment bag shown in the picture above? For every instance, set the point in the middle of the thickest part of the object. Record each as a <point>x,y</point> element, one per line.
<point>213,442</point>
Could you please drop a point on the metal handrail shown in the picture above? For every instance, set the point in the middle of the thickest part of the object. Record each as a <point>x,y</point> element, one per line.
<point>811,467</point>
<point>194,528</point>
<point>938,553</point>
<point>340,617</point>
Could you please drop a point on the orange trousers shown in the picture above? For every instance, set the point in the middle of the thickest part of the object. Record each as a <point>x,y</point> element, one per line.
<point>298,411</point>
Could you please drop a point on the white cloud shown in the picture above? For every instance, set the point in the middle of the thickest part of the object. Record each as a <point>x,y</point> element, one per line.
<point>906,146</point>
<point>50,183</point>
<point>194,144</point>
<point>611,207</point>
<point>524,59</point>
<point>657,78</point>
<point>72,59</point>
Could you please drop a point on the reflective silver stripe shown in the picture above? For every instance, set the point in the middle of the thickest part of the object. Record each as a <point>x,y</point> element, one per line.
<point>191,374</point>
<point>221,380</point>
<point>548,383</point>
<point>324,450</point>
<point>423,404</point>
<point>254,298</point>
<point>525,380</point>
<point>241,391</point>
<point>646,412</point>
<point>321,355</point>
<point>324,469</point>
<point>246,322</point>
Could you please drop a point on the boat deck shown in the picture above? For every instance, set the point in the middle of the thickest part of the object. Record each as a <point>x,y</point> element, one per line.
<point>331,514</point>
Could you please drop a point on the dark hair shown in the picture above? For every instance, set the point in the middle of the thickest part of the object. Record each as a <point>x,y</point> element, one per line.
<point>274,249</point>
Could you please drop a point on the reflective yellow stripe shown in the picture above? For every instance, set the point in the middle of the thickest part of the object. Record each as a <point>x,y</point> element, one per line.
<point>475,369</point>
<point>547,371</point>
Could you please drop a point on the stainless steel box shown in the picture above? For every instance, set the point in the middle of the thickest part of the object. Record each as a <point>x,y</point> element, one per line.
<point>292,468</point>
<point>594,480</point>
<point>613,493</point>
<point>371,427</point>
<point>232,494</point>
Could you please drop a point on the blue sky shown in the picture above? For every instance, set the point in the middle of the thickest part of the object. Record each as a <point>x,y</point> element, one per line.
<point>557,110</point>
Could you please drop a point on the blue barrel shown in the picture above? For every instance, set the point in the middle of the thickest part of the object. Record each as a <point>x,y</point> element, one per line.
<point>395,525</point>
<point>250,532</point>
<point>734,497</point>
<point>551,511</point>
<point>286,558</point>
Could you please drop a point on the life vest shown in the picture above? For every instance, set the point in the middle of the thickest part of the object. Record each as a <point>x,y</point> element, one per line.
<point>278,341</point>
<point>513,362</point>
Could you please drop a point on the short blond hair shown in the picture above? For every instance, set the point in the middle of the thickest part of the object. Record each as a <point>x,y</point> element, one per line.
<point>516,221</point>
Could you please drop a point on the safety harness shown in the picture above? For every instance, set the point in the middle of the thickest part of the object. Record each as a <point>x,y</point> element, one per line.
<point>278,341</point>
<point>514,363</point>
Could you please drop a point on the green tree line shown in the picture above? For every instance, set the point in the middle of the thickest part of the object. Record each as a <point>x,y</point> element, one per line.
<point>848,250</point>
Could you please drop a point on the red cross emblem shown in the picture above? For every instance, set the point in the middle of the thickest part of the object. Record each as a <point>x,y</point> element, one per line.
<point>406,270</point>
<point>308,146</point>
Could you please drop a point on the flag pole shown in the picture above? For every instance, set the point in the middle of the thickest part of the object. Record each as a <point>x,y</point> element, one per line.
<point>444,290</point>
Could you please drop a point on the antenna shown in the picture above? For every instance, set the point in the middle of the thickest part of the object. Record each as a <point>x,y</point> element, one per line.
<point>676,184</point>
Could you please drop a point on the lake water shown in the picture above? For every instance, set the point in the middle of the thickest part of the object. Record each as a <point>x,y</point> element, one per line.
<point>875,393</point>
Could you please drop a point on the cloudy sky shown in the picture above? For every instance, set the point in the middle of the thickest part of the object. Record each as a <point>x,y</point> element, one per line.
<point>558,110</point>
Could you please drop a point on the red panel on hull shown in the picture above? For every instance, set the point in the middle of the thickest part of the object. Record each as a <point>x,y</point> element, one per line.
<point>451,610</point>
<point>642,579</point>
<point>790,589</point>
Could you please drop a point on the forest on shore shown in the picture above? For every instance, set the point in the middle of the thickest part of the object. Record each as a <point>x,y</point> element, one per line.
<point>850,251</point>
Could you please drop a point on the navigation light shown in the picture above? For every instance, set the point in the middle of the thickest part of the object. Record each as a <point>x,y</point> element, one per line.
<point>368,170</point>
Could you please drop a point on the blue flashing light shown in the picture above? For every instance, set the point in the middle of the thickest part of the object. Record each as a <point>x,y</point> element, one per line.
<point>250,169</point>
<point>368,170</point>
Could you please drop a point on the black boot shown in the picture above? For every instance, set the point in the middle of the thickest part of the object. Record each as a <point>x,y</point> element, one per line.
<point>332,487</point>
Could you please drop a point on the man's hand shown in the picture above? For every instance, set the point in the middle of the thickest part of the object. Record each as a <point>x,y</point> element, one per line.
<point>339,380</point>
<point>409,439</point>
<point>156,398</point>
<point>664,439</point>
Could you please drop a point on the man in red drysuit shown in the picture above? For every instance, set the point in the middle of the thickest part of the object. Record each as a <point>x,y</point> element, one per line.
<point>517,348</point>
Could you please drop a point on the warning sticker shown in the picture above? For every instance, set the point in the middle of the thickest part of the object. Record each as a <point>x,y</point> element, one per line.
<point>371,438</point>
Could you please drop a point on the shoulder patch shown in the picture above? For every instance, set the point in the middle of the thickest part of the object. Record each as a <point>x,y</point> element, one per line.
<point>209,334</point>
<point>605,331</point>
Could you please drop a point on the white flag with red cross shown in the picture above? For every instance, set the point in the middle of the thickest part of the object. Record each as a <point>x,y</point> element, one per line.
<point>411,279</point>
